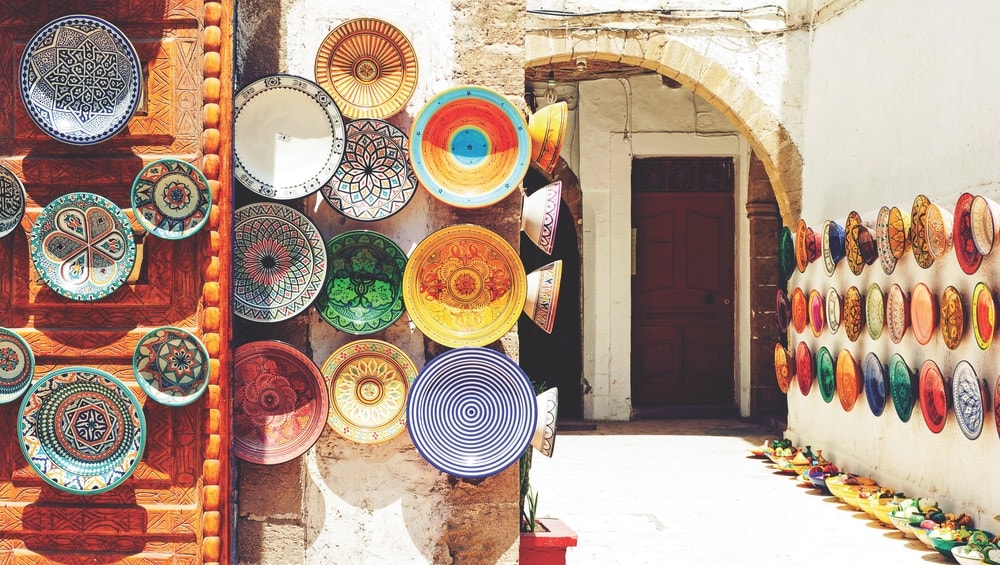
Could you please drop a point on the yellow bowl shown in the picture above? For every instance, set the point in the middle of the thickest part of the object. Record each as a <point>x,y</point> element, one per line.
<point>882,513</point>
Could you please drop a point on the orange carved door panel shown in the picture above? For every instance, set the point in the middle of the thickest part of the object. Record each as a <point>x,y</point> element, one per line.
<point>173,508</point>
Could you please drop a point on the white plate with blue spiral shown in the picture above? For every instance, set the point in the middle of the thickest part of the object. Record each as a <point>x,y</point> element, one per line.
<point>471,412</point>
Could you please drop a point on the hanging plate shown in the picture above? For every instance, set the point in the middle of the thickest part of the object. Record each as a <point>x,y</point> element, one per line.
<point>786,253</point>
<point>833,310</point>
<point>17,365</point>
<point>171,366</point>
<point>848,380</point>
<point>901,387</point>
<point>875,311</point>
<point>939,228</point>
<point>801,245</point>
<point>969,257</point>
<point>923,313</point>
<point>825,374</point>
<point>968,395</point>
<point>875,385</point>
<point>985,219</point>
<point>933,396</point>
<point>899,232</point>
<point>883,241</point>
<point>171,199</point>
<point>817,312</point>
<point>784,371</point>
<point>897,313</point>
<point>918,232</point>
<point>854,313</point>
<point>852,244</point>
<point>833,245</point>
<point>952,317</point>
<point>13,198</point>
<point>783,310</point>
<point>800,310</point>
<point>803,368</point>
<point>983,315</point>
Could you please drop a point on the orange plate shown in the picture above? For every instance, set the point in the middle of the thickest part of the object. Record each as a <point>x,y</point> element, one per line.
<point>464,286</point>
<point>800,310</point>
<point>782,370</point>
<point>952,317</point>
<point>918,232</point>
<point>983,315</point>
<point>923,313</point>
<point>853,313</point>
<point>848,381</point>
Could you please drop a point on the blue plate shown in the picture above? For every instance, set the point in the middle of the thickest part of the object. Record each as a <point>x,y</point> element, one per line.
<point>874,372</point>
<point>967,393</point>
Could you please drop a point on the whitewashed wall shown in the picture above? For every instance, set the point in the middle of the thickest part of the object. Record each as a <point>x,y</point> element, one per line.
<point>901,100</point>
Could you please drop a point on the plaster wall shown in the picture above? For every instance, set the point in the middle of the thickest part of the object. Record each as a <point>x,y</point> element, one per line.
<point>899,102</point>
<point>619,120</point>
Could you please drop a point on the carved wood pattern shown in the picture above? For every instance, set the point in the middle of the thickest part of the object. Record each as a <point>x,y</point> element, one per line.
<point>174,508</point>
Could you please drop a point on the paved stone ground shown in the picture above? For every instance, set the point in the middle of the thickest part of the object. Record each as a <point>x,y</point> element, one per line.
<point>688,492</point>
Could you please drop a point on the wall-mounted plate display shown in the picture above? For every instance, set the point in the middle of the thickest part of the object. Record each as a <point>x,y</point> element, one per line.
<point>969,398</point>
<point>817,312</point>
<point>171,199</point>
<point>854,313</point>
<point>938,223</point>
<point>983,315</point>
<point>783,310</point>
<point>784,367</point>
<point>969,257</point>
<point>875,383</point>
<point>17,365</point>
<point>897,313</point>
<point>918,232</point>
<point>952,317</point>
<point>875,310</point>
<point>826,376</point>
<point>849,380</point>
<point>804,368</point>
<point>833,245</point>
<point>899,232</point>
<point>834,309</point>
<point>933,396</point>
<point>985,219</point>
<point>171,366</point>
<point>800,310</point>
<point>13,199</point>
<point>923,313</point>
<point>786,253</point>
<point>902,387</point>
<point>883,242</point>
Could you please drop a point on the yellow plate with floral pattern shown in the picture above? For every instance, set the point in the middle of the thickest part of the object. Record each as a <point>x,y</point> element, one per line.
<point>464,286</point>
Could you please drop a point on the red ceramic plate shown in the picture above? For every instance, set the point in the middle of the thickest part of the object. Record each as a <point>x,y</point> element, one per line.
<point>918,232</point>
<point>803,368</point>
<point>853,313</point>
<point>897,313</point>
<point>952,317</point>
<point>923,313</point>
<point>833,310</point>
<point>969,257</point>
<point>817,312</point>
<point>848,380</point>
<point>783,371</point>
<point>933,396</point>
<point>800,311</point>
<point>983,315</point>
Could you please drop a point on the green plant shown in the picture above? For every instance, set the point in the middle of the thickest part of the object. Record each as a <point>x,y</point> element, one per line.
<point>529,496</point>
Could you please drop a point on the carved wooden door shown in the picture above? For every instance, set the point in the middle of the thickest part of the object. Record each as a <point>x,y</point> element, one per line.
<point>173,508</point>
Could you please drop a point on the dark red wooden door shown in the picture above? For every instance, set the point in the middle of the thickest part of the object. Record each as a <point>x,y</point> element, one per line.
<point>683,284</point>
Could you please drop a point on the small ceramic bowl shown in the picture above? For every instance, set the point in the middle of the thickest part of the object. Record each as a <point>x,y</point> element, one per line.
<point>882,513</point>
<point>902,523</point>
<point>944,546</point>
<point>922,534</point>
<point>966,555</point>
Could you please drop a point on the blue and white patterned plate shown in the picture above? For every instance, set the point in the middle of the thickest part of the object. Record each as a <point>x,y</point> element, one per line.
<point>80,79</point>
<point>471,412</point>
<point>967,395</point>
<point>279,262</point>
<point>82,246</point>
<point>17,365</point>
<point>875,389</point>
<point>12,201</point>
<point>81,430</point>
<point>171,366</point>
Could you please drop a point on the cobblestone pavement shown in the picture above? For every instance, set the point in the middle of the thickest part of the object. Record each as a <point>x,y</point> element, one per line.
<point>689,492</point>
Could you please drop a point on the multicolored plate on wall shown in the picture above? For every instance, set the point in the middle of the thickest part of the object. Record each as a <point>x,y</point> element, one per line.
<point>802,236</point>
<point>17,365</point>
<point>80,79</point>
<point>969,397</point>
<point>875,311</point>
<point>901,387</point>
<point>983,315</point>
<point>82,246</point>
<point>369,380</point>
<point>470,147</point>
<point>786,253</point>
<point>952,317</point>
<point>899,232</point>
<point>279,262</point>
<point>471,412</point>
<point>171,366</point>
<point>933,396</point>
<point>817,312</point>
<point>833,310</point>
<point>852,243</point>
<point>875,385</point>
<point>369,68</point>
<point>939,226</point>
<point>985,220</point>
<point>171,199</point>
<point>288,137</point>
<point>363,291</point>
<point>883,242</point>
<point>13,199</point>
<point>854,313</point>
<point>923,313</point>
<point>800,310</point>
<point>833,245</point>
<point>849,381</point>
<point>826,377</point>
<point>374,179</point>
<point>803,368</point>
<point>918,232</point>
<point>897,313</point>
<point>783,310</point>
<point>784,371</point>
<point>969,257</point>
<point>464,285</point>
<point>280,402</point>
<point>82,431</point>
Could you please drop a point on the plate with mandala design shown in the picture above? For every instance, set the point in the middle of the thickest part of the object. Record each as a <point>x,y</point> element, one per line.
<point>13,199</point>
<point>171,199</point>
<point>17,365</point>
<point>171,366</point>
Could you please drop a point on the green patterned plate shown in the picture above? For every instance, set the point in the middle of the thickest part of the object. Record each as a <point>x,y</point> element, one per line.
<point>901,387</point>
<point>825,375</point>
<point>171,366</point>
<point>363,292</point>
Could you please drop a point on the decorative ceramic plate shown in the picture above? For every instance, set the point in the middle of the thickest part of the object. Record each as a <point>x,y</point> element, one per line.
<point>80,79</point>
<point>897,313</point>
<point>939,226</point>
<point>852,246</point>
<point>471,412</point>
<point>875,386</point>
<point>547,130</point>
<point>783,310</point>
<point>834,309</point>
<point>801,245</point>
<point>817,312</point>
<point>833,245</point>
<point>854,313</point>
<point>544,438</point>
<point>542,298</point>
<point>279,262</point>
<point>804,368</point>
<point>848,380</point>
<point>82,246</point>
<point>280,402</point>
<point>969,257</point>
<point>918,232</point>
<point>933,396</point>
<point>967,393</point>
<point>983,315</point>
<point>17,365</point>
<point>952,317</point>
<point>464,286</point>
<point>374,179</point>
<point>171,198</point>
<point>288,137</point>
<point>786,253</point>
<point>470,146</point>
<point>923,313</point>
<point>882,241</point>
<point>369,380</point>
<point>784,371</point>
<point>363,291</point>
<point>81,430</point>
<point>985,219</point>
<point>369,68</point>
<point>899,232</point>
<point>901,387</point>
<point>800,310</point>
<point>171,366</point>
<point>875,311</point>
<point>13,198</point>
<point>826,377</point>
